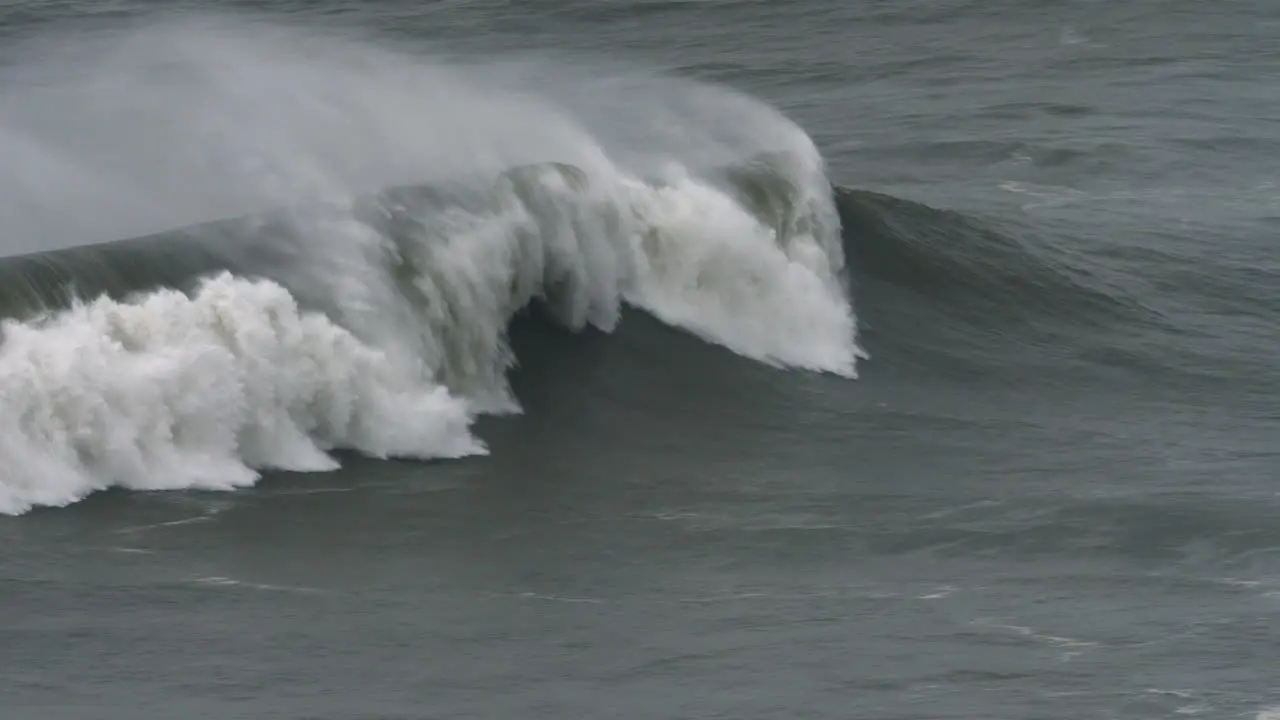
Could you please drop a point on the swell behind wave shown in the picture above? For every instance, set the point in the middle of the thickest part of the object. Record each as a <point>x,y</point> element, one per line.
<point>373,322</point>
<point>980,271</point>
<point>952,295</point>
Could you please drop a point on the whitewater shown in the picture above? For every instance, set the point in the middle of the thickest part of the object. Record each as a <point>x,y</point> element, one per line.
<point>417,203</point>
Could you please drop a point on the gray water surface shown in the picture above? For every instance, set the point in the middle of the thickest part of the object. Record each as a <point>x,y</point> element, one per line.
<point>1025,507</point>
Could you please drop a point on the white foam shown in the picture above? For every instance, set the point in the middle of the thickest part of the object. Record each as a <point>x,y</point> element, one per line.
<point>179,392</point>
<point>707,265</point>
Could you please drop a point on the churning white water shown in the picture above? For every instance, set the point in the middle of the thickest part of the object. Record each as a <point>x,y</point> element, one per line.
<point>585,192</point>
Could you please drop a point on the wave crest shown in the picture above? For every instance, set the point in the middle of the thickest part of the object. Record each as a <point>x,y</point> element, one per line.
<point>192,363</point>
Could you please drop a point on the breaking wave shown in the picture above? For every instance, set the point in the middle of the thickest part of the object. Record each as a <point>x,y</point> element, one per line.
<point>330,314</point>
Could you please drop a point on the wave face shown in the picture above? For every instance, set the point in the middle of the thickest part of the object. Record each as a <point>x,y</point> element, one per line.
<point>980,272</point>
<point>994,301</point>
<point>332,312</point>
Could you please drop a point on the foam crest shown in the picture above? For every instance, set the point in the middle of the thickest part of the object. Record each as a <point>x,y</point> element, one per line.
<point>173,391</point>
<point>708,265</point>
<point>543,232</point>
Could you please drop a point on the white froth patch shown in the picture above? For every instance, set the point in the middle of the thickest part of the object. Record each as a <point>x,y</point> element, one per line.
<point>203,391</point>
<point>706,264</point>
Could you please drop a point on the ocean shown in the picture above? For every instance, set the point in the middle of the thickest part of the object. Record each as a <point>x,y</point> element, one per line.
<point>639,359</point>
